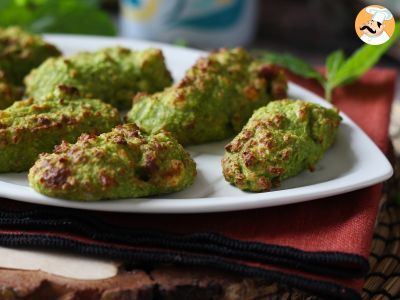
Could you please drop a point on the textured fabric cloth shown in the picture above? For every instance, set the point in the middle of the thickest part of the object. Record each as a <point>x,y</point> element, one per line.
<point>319,246</point>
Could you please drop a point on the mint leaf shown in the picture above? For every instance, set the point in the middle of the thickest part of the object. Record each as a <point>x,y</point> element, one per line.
<point>333,63</point>
<point>72,16</point>
<point>361,61</point>
<point>339,71</point>
<point>294,64</point>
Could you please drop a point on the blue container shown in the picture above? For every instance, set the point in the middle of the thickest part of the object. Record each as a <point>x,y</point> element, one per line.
<point>201,23</point>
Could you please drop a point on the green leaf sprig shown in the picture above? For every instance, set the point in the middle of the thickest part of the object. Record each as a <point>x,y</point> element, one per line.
<point>339,70</point>
<point>57,16</point>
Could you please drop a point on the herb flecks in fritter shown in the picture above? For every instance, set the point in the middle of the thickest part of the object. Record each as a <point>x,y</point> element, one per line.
<point>28,128</point>
<point>123,163</point>
<point>20,52</point>
<point>279,141</point>
<point>115,75</point>
<point>213,101</point>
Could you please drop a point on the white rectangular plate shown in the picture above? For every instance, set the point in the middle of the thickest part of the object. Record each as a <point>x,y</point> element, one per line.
<point>353,162</point>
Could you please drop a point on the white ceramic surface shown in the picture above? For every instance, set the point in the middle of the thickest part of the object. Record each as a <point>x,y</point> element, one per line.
<point>352,163</point>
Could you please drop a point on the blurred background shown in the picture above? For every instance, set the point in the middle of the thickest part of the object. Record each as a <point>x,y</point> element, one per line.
<point>307,28</point>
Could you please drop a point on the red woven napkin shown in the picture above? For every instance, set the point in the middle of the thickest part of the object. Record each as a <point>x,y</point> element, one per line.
<point>320,246</point>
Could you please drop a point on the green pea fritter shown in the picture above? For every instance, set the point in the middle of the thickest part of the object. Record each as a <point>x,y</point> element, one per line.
<point>279,141</point>
<point>28,128</point>
<point>20,52</point>
<point>213,101</point>
<point>123,163</point>
<point>114,75</point>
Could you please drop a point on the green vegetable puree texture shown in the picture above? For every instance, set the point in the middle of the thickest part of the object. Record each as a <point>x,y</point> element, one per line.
<point>213,101</point>
<point>28,128</point>
<point>20,52</point>
<point>114,75</point>
<point>279,141</point>
<point>123,163</point>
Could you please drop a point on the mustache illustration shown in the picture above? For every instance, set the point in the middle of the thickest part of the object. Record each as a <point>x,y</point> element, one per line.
<point>368,28</point>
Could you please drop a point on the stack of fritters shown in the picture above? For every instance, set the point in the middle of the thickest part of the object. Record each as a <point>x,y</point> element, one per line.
<point>71,104</point>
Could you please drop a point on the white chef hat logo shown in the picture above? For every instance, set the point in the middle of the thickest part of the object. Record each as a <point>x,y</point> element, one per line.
<point>379,14</point>
<point>375,25</point>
